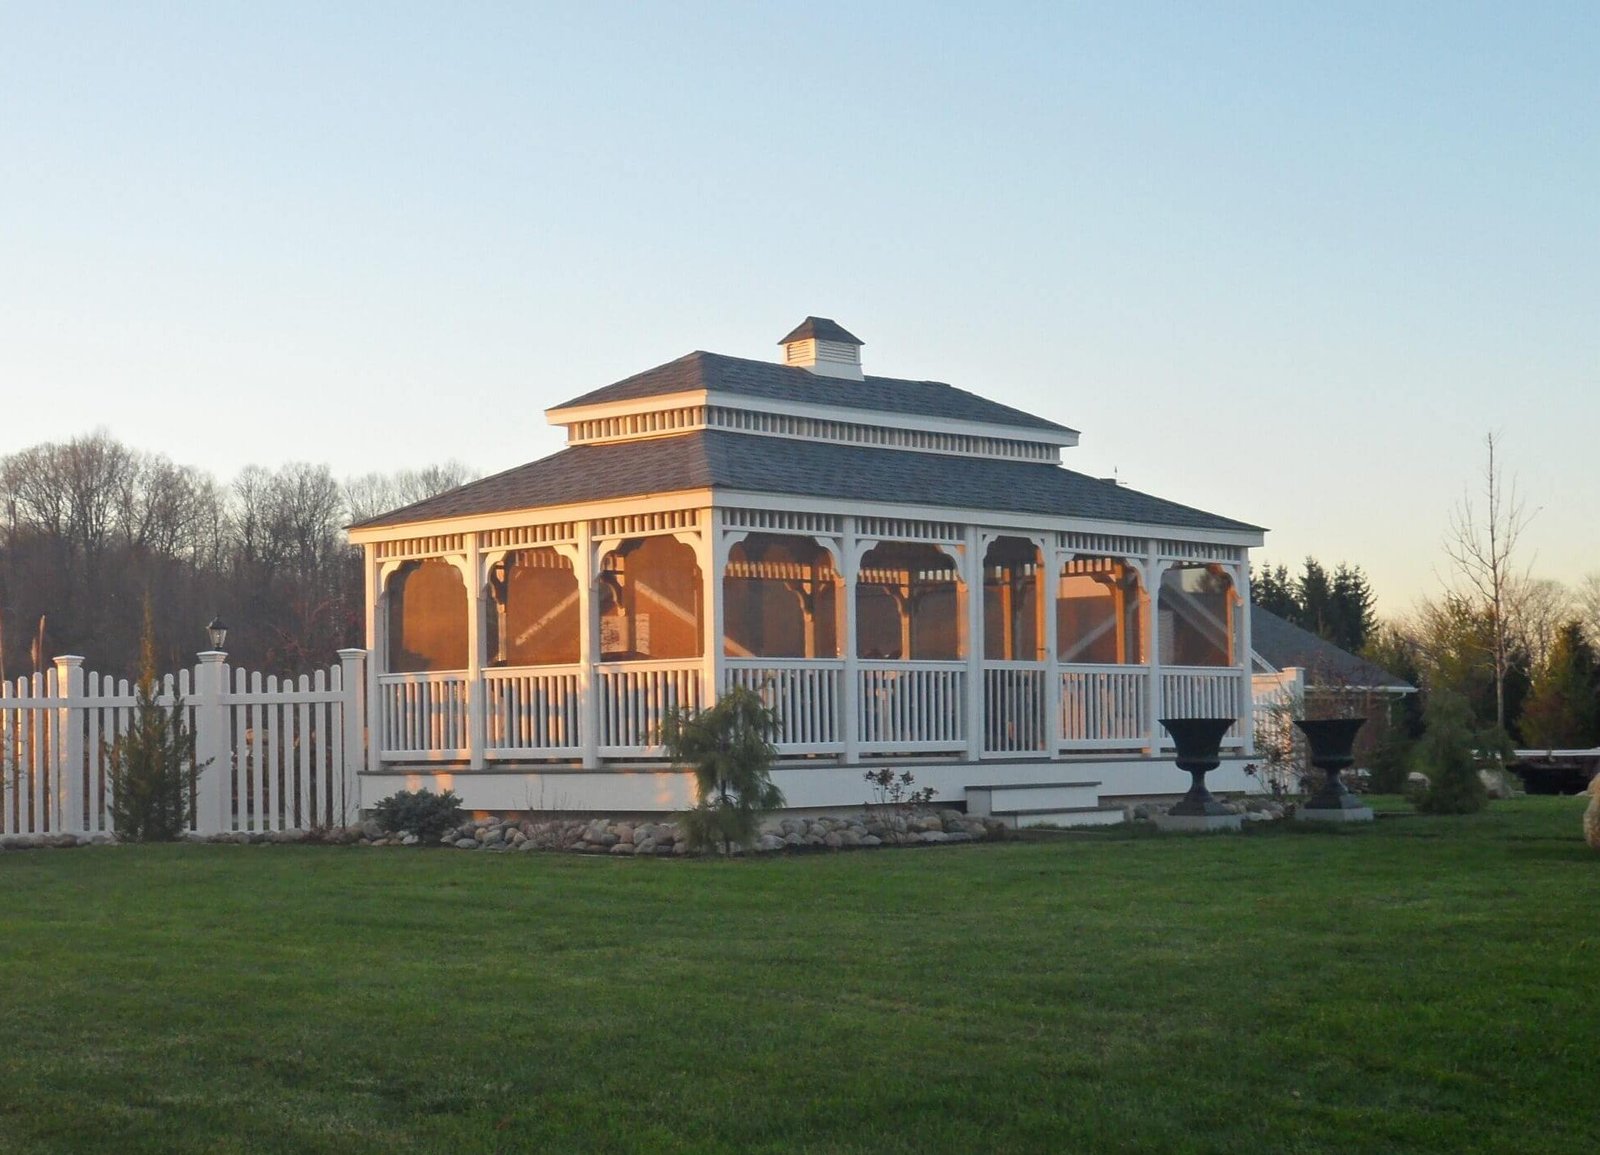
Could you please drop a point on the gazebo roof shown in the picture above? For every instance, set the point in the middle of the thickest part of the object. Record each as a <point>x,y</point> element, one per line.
<point>1284,644</point>
<point>718,459</point>
<point>768,381</point>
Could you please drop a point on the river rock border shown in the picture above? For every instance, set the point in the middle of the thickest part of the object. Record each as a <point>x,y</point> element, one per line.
<point>622,837</point>
<point>610,836</point>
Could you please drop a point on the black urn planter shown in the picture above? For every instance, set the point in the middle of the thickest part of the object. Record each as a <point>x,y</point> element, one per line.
<point>1332,742</point>
<point>1198,743</point>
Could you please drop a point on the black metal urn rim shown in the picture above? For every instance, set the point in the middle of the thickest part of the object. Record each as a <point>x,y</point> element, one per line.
<point>1332,740</point>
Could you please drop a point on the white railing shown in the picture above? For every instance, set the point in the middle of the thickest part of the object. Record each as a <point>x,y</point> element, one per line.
<point>635,697</point>
<point>1013,707</point>
<point>911,706</point>
<point>805,694</point>
<point>532,711</point>
<point>1104,707</point>
<point>422,717</point>
<point>273,754</point>
<point>1201,692</point>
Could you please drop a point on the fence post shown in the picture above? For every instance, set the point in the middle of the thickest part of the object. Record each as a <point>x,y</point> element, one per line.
<point>67,792</point>
<point>353,684</point>
<point>213,748</point>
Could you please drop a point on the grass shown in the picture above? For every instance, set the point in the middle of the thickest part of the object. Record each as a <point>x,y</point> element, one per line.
<point>1425,984</point>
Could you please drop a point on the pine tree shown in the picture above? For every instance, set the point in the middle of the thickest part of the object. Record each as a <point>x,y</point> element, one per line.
<point>1351,619</point>
<point>150,766</point>
<point>1272,590</point>
<point>730,748</point>
<point>1445,755</point>
<point>1315,594</point>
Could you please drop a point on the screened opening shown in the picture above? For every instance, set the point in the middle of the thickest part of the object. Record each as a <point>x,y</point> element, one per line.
<point>1099,612</point>
<point>651,601</point>
<point>1013,623</point>
<point>427,618</point>
<point>534,619</point>
<point>1197,626</point>
<point>908,604</point>
<point>780,599</point>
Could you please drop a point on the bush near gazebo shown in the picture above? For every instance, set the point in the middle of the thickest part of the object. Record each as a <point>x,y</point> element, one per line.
<point>729,746</point>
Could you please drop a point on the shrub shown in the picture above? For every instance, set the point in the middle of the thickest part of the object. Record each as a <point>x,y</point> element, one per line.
<point>730,748</point>
<point>420,812</point>
<point>896,792</point>
<point>150,766</point>
<point>1445,754</point>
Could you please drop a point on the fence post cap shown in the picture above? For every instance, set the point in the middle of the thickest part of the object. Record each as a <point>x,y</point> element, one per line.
<point>213,655</point>
<point>68,660</point>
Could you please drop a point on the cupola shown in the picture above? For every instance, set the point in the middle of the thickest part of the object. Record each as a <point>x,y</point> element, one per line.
<point>824,347</point>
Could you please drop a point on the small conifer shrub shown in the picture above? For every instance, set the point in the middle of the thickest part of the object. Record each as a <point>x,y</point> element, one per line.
<point>420,812</point>
<point>729,747</point>
<point>151,765</point>
<point>1445,753</point>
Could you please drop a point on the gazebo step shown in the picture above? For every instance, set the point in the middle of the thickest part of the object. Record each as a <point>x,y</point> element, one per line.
<point>1016,797</point>
<point>1062,816</point>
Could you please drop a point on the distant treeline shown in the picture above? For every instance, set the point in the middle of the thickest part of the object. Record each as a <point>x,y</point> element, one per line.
<point>89,528</point>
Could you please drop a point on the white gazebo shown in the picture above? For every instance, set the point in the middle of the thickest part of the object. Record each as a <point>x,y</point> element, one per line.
<point>902,568</point>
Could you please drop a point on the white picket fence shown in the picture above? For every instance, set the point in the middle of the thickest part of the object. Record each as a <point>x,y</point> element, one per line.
<point>275,753</point>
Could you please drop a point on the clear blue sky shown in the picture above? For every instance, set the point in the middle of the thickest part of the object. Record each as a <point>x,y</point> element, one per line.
<point>1285,262</point>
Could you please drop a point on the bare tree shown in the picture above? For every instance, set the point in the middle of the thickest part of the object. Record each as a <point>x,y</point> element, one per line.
<point>1536,609</point>
<point>378,493</point>
<point>1482,546</point>
<point>1588,606</point>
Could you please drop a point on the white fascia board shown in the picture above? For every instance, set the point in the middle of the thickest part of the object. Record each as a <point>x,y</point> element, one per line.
<point>851,415</point>
<point>1022,523</point>
<point>536,515</point>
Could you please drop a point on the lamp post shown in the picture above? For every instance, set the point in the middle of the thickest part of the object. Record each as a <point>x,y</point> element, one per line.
<point>218,629</point>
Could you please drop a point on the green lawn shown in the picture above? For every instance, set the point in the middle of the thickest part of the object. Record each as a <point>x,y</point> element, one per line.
<point>1424,984</point>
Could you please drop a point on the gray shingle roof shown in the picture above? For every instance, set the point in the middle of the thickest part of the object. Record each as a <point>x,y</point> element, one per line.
<point>821,329</point>
<point>773,382</point>
<point>1285,644</point>
<point>718,459</point>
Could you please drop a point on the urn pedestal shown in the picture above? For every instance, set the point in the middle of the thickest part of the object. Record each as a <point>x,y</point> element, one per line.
<point>1198,749</point>
<point>1332,741</point>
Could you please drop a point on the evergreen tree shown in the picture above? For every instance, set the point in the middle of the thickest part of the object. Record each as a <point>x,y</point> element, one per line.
<point>1272,590</point>
<point>1314,593</point>
<point>730,749</point>
<point>150,766</point>
<point>1560,712</point>
<point>1445,755</point>
<point>1351,619</point>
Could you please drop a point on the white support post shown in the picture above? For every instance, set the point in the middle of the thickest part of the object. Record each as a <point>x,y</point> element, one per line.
<point>972,575</point>
<point>1243,657</point>
<point>213,748</point>
<point>587,566</point>
<point>712,556</point>
<point>850,692</point>
<point>353,683</point>
<point>67,792</point>
<point>1050,559</point>
<point>477,732</point>
<point>378,648</point>
<point>1153,570</point>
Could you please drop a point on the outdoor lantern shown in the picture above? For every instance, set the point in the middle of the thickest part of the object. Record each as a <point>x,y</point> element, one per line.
<point>218,629</point>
